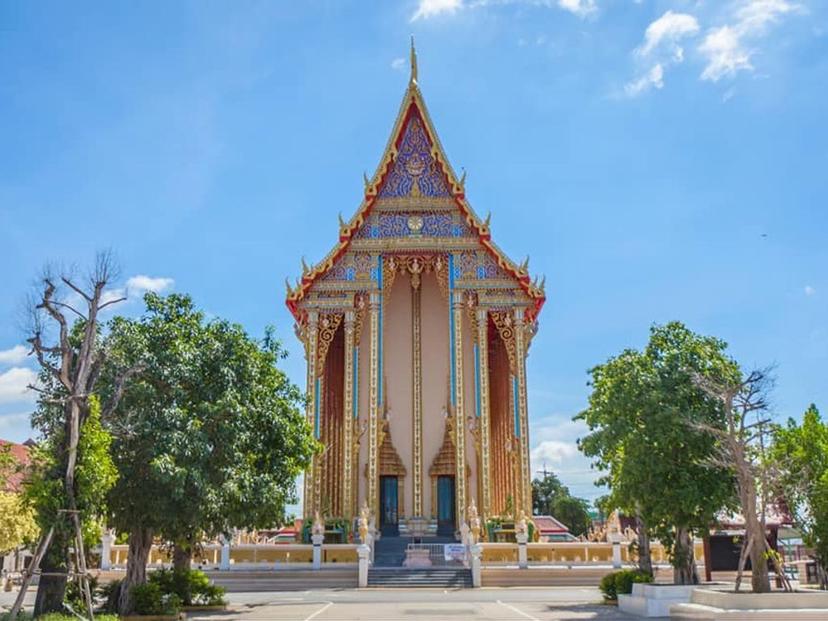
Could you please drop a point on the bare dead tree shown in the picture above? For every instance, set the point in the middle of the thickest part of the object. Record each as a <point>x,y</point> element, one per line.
<point>72,357</point>
<point>746,407</point>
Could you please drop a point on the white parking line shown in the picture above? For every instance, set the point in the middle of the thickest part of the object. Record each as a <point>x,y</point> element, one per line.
<point>517,610</point>
<point>320,611</point>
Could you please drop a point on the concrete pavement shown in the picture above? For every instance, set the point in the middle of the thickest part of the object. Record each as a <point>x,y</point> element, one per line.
<point>486,604</point>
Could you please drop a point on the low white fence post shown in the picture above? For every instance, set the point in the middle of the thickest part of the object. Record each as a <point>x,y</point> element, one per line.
<point>616,553</point>
<point>106,550</point>
<point>317,550</point>
<point>364,552</point>
<point>224,561</point>
<point>523,562</point>
<point>476,552</point>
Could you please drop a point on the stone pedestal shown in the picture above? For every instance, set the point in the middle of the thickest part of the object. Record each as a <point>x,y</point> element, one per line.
<point>364,553</point>
<point>317,550</point>
<point>654,600</point>
<point>523,562</point>
<point>106,550</point>
<point>476,552</point>
<point>417,559</point>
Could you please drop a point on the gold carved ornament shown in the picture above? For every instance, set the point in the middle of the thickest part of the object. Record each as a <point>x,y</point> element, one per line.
<point>328,325</point>
<point>504,321</point>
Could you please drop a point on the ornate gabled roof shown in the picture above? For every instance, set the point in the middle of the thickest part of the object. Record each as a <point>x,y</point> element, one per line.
<point>414,165</point>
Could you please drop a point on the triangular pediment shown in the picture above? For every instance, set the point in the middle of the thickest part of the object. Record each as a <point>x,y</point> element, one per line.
<point>414,171</point>
<point>415,202</point>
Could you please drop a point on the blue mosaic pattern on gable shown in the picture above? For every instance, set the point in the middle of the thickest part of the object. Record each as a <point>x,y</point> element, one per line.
<point>438,225</point>
<point>414,164</point>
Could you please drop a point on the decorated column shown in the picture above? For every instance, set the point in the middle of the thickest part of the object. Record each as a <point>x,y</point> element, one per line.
<point>374,397</point>
<point>312,408</point>
<point>417,393</point>
<point>347,417</point>
<point>457,396</point>
<point>523,419</point>
<point>481,361</point>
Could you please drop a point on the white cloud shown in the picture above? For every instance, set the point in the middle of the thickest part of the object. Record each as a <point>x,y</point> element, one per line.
<point>581,8</point>
<point>554,451</point>
<point>668,30</point>
<point>397,64</point>
<point>727,48</point>
<point>725,54</point>
<point>654,78</point>
<point>14,385</point>
<point>809,290</point>
<point>141,284</point>
<point>432,8</point>
<point>15,355</point>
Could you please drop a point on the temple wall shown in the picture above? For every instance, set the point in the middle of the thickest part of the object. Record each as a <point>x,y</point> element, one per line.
<point>435,330</point>
<point>397,367</point>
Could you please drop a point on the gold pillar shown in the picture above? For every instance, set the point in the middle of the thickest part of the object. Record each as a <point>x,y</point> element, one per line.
<point>311,346</point>
<point>523,416</point>
<point>348,418</point>
<point>483,387</point>
<point>417,395</point>
<point>459,408</point>
<point>374,405</point>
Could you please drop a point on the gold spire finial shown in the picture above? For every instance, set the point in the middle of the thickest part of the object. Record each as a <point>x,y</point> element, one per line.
<point>413,79</point>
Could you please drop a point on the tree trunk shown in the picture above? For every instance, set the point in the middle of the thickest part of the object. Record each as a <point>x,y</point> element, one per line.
<point>684,562</point>
<point>645,560</point>
<point>182,557</point>
<point>759,580</point>
<point>140,544</point>
<point>754,530</point>
<point>52,589</point>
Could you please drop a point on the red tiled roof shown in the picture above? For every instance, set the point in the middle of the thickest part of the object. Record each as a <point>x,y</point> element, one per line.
<point>546,524</point>
<point>20,453</point>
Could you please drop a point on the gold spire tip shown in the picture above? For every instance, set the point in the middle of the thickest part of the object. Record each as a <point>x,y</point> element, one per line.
<point>413,79</point>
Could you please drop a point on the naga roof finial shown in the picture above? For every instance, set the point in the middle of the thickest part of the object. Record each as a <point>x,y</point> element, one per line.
<point>413,79</point>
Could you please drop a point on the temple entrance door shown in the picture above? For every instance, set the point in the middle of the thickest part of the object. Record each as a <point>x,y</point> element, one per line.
<point>389,506</point>
<point>445,505</point>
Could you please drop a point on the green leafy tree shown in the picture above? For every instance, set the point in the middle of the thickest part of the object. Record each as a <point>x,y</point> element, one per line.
<point>95,474</point>
<point>643,414</point>
<point>210,437</point>
<point>551,497</point>
<point>801,453</point>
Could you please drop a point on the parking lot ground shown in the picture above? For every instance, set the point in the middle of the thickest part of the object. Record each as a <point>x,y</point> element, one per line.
<point>539,604</point>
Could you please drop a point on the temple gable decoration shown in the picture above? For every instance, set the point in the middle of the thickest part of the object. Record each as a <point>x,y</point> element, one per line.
<point>415,199</point>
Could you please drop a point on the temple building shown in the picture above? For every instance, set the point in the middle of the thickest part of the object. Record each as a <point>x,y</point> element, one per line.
<point>416,328</point>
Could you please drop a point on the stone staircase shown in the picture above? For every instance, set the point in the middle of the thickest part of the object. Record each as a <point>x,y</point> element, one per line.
<point>436,578</point>
<point>390,551</point>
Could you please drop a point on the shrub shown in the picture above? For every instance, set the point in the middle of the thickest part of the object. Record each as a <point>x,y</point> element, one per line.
<point>621,582</point>
<point>192,586</point>
<point>148,599</point>
<point>54,616</point>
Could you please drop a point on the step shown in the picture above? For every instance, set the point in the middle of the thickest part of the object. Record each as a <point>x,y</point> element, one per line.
<point>434,578</point>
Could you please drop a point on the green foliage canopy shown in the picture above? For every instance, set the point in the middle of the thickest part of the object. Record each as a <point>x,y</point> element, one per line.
<point>644,415</point>
<point>210,436</point>
<point>551,497</point>
<point>801,452</point>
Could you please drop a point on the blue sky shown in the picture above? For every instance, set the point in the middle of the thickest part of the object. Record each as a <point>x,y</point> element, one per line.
<point>658,160</point>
